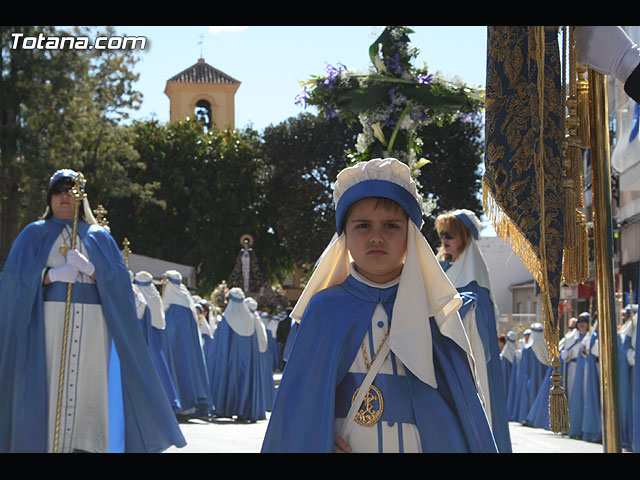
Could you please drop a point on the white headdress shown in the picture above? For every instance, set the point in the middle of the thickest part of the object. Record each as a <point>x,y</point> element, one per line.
<point>144,281</point>
<point>261,331</point>
<point>237,315</point>
<point>538,343</point>
<point>176,293</point>
<point>423,290</point>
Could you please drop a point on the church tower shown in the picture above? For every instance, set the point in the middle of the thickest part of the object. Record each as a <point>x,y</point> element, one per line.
<point>204,92</point>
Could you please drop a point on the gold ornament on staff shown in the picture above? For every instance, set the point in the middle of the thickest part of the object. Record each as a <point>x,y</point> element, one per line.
<point>100,214</point>
<point>77,191</point>
<point>126,251</point>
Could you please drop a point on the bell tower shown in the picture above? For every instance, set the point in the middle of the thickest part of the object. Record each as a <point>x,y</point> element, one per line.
<point>204,92</point>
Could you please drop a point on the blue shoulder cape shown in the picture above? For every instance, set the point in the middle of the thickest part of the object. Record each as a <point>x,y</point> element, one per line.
<point>326,343</point>
<point>150,425</point>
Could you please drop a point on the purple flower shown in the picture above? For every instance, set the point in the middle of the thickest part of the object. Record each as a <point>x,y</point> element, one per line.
<point>393,64</point>
<point>301,98</point>
<point>330,112</point>
<point>333,74</point>
<point>467,117</point>
<point>425,79</point>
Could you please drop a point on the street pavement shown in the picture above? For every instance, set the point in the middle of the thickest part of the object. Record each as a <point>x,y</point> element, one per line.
<point>224,435</point>
<point>227,436</point>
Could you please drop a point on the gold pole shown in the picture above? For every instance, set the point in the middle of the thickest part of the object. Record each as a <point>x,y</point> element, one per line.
<point>78,194</point>
<point>603,238</point>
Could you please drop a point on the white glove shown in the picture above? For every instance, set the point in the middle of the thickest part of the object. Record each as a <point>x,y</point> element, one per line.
<point>66,273</point>
<point>564,354</point>
<point>82,263</point>
<point>607,49</point>
<point>631,357</point>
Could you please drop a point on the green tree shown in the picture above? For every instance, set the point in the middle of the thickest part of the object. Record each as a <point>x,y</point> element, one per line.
<point>61,109</point>
<point>210,184</point>
<point>305,154</point>
<point>453,177</point>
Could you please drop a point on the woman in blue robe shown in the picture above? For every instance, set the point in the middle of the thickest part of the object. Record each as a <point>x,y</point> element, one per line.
<point>184,345</point>
<point>592,420</point>
<point>509,363</point>
<point>466,267</point>
<point>234,364</point>
<point>152,328</point>
<point>534,364</point>
<point>265,371</point>
<point>625,377</point>
<point>138,409</point>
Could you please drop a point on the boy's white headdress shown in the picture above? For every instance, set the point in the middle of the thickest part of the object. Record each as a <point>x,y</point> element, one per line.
<point>423,291</point>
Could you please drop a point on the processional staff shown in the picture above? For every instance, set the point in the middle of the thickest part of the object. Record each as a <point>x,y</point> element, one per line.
<point>78,193</point>
<point>603,242</point>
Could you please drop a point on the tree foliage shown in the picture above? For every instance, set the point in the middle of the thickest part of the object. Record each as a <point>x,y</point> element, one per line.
<point>453,177</point>
<point>211,184</point>
<point>180,192</point>
<point>305,154</point>
<point>61,108</point>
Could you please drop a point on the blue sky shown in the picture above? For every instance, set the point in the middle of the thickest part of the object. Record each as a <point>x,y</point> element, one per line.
<point>270,61</point>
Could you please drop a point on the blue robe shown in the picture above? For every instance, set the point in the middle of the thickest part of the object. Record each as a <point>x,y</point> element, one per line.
<point>530,377</point>
<point>450,418</point>
<point>235,375</point>
<point>508,367</point>
<point>486,325</point>
<point>513,389</point>
<point>188,361</point>
<point>149,422</point>
<point>286,352</point>
<point>152,337</point>
<point>636,395</point>
<point>576,398</point>
<point>625,382</point>
<point>592,420</point>
<point>268,385</point>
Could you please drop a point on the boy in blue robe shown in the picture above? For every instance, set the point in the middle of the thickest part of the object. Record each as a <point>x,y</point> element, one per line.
<point>380,362</point>
<point>112,397</point>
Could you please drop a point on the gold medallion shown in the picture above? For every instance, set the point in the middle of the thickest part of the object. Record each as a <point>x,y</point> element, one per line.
<point>368,415</point>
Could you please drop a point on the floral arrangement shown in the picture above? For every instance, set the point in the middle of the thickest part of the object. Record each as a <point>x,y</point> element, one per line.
<point>273,298</point>
<point>391,101</point>
<point>219,296</point>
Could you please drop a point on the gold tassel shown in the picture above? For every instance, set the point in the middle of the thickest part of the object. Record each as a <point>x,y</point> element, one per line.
<point>558,404</point>
<point>575,263</point>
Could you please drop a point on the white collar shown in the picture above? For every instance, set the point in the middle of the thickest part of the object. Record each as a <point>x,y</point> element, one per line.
<point>362,279</point>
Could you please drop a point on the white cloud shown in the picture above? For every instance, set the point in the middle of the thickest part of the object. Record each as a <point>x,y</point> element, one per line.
<point>216,30</point>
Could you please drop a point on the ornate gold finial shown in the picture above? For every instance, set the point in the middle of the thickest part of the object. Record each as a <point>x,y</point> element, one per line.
<point>100,214</point>
<point>126,251</point>
<point>78,193</point>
